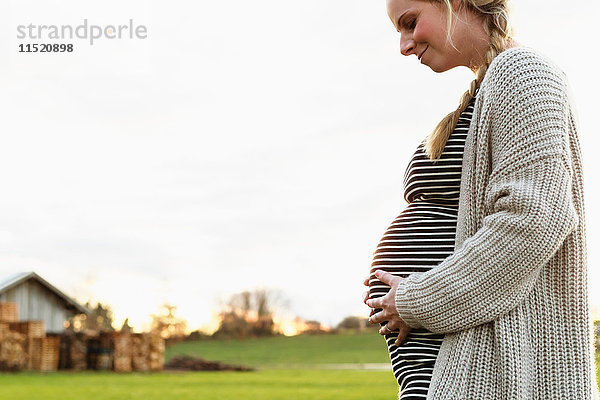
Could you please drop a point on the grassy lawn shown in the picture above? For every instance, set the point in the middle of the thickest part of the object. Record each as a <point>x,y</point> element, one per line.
<point>598,368</point>
<point>302,350</point>
<point>286,371</point>
<point>272,381</point>
<point>259,385</point>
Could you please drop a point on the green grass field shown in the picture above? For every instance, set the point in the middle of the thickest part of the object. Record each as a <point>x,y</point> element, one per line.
<point>598,368</point>
<point>259,385</point>
<point>288,368</point>
<point>290,351</point>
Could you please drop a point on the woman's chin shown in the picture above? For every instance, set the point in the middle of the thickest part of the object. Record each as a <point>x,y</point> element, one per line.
<point>440,68</point>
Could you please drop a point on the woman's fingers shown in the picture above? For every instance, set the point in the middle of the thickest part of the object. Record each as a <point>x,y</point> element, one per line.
<point>365,296</point>
<point>394,324</point>
<point>403,331</point>
<point>387,306</point>
<point>375,303</point>
<point>384,276</point>
<point>366,280</point>
<point>386,329</point>
<point>377,317</point>
<point>402,334</point>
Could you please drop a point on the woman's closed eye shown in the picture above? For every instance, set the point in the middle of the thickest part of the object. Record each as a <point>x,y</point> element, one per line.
<point>408,24</point>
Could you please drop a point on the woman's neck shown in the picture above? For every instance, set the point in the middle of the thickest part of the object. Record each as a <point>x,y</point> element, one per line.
<point>475,67</point>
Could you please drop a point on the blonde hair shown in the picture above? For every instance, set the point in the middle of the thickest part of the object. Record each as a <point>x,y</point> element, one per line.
<point>496,24</point>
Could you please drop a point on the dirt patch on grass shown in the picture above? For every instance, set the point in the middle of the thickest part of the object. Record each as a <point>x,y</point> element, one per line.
<point>188,363</point>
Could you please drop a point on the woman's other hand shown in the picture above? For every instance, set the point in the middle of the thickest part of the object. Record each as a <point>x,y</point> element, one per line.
<point>366,294</point>
<point>387,304</point>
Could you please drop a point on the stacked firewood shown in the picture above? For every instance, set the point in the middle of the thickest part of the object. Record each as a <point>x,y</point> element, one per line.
<point>78,351</point>
<point>8,312</point>
<point>34,333</point>
<point>25,345</point>
<point>101,351</point>
<point>12,349</point>
<point>156,352</point>
<point>140,350</point>
<point>13,355</point>
<point>123,352</point>
<point>44,353</point>
<point>73,351</point>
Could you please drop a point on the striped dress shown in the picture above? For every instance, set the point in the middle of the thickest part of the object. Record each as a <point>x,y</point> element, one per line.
<point>419,239</point>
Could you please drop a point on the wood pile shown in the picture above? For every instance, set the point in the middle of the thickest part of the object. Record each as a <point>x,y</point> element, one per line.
<point>104,361</point>
<point>100,351</point>
<point>44,353</point>
<point>123,346</point>
<point>117,351</point>
<point>13,356</point>
<point>73,351</point>
<point>187,363</point>
<point>25,345</point>
<point>31,330</point>
<point>140,350</point>
<point>63,352</point>
<point>78,352</point>
<point>8,312</point>
<point>156,353</point>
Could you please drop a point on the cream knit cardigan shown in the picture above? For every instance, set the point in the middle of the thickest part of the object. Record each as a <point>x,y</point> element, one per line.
<point>512,300</point>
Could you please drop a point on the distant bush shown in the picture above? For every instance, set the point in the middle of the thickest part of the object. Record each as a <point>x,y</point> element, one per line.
<point>313,328</point>
<point>356,323</point>
<point>198,335</point>
<point>351,322</point>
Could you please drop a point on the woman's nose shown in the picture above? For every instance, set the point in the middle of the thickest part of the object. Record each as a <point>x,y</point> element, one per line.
<point>407,46</point>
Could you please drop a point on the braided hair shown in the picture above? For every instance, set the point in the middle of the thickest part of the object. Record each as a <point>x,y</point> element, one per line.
<point>496,24</point>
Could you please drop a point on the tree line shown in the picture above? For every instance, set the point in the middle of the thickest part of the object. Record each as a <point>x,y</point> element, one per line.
<point>247,314</point>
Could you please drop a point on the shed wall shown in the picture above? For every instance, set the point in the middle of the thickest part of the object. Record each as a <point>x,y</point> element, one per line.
<point>35,302</point>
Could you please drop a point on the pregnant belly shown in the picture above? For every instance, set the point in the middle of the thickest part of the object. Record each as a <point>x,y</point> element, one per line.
<point>416,241</point>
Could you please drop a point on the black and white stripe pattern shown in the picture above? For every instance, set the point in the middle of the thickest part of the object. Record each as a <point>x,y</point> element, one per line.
<point>419,239</point>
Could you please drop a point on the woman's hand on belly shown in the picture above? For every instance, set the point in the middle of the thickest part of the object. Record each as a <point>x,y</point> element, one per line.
<point>387,303</point>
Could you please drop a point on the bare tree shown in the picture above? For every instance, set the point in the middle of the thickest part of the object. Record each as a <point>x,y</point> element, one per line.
<point>250,313</point>
<point>167,325</point>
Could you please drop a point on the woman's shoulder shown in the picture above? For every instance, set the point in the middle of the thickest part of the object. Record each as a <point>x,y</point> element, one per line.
<point>522,56</point>
<point>521,66</point>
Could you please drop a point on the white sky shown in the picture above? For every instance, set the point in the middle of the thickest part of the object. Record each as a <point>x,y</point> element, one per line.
<point>242,144</point>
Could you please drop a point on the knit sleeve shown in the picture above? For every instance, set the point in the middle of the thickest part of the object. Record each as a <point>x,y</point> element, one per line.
<point>528,202</point>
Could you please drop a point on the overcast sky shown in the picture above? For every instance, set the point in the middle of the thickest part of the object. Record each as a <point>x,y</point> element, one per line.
<point>242,144</point>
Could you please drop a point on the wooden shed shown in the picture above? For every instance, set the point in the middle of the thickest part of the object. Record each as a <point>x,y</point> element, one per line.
<point>37,299</point>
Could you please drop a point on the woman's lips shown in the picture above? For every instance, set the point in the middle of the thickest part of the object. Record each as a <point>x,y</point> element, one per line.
<point>421,56</point>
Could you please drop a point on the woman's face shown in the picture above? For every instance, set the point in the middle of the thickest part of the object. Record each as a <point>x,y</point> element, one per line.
<point>422,26</point>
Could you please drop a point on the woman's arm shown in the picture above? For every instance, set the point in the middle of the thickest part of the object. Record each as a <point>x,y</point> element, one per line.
<point>528,203</point>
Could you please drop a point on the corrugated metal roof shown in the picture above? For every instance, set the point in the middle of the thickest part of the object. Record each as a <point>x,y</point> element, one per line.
<point>9,281</point>
<point>18,278</point>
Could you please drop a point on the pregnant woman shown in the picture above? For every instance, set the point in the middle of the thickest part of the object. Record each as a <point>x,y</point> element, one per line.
<point>480,284</point>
